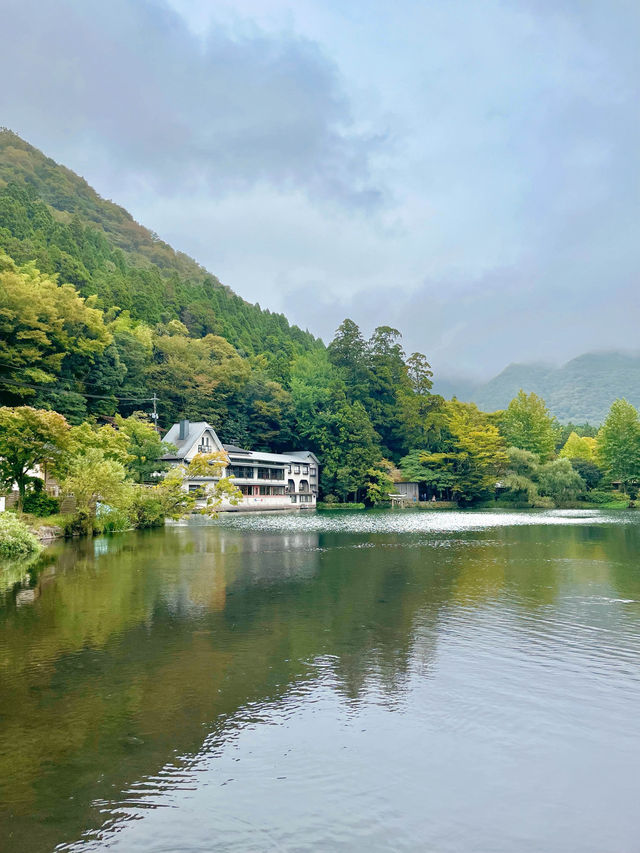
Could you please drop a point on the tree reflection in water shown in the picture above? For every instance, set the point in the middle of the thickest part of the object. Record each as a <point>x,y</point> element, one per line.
<point>123,655</point>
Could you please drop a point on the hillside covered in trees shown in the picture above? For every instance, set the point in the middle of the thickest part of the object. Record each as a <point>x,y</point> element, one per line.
<point>581,390</point>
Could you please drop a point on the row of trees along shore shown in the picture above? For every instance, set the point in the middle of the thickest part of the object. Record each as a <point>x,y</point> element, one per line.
<point>520,456</point>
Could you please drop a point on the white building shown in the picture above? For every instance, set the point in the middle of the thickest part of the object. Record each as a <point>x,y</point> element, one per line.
<point>266,480</point>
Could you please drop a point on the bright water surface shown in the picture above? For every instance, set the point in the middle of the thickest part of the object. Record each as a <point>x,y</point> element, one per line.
<point>393,681</point>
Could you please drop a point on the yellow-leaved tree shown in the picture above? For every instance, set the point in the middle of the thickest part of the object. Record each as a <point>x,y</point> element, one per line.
<point>579,447</point>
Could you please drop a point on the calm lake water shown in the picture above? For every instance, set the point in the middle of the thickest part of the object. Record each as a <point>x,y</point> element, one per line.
<point>380,681</point>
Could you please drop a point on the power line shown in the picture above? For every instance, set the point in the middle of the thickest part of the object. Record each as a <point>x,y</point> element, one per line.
<point>88,384</point>
<point>79,393</point>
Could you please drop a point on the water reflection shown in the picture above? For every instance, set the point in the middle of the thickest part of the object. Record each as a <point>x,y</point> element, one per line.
<point>136,663</point>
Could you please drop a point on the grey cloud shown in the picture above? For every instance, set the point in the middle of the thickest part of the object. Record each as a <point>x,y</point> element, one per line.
<point>508,228</point>
<point>127,81</point>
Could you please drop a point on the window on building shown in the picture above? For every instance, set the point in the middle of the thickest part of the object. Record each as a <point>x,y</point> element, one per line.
<point>305,469</point>
<point>296,469</point>
<point>205,445</point>
<point>265,490</point>
<point>313,471</point>
<point>244,472</point>
<point>196,489</point>
<point>263,473</point>
<point>294,499</point>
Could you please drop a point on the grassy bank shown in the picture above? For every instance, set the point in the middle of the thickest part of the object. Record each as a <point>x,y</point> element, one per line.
<point>332,506</point>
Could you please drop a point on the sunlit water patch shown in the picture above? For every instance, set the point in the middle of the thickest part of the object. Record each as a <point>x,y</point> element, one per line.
<point>415,521</point>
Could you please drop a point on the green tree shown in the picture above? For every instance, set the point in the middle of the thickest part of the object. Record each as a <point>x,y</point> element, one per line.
<point>144,447</point>
<point>389,382</point>
<point>93,477</point>
<point>313,377</point>
<point>560,482</point>
<point>414,469</point>
<point>347,352</point>
<point>578,447</point>
<point>113,443</point>
<point>474,456</point>
<point>526,423</point>
<point>344,438</point>
<point>196,378</point>
<point>589,471</point>
<point>582,430</point>
<point>44,326</point>
<point>378,483</point>
<point>28,438</point>
<point>269,413</point>
<point>421,412</point>
<point>618,448</point>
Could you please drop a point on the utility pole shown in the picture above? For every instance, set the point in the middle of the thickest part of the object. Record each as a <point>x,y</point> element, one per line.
<point>155,411</point>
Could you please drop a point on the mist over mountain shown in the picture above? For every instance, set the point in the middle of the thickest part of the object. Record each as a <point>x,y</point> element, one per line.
<point>579,391</point>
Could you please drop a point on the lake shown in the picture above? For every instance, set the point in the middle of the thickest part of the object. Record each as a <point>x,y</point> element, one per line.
<point>377,681</point>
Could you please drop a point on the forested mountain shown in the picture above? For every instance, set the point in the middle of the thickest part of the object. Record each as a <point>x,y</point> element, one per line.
<point>51,215</point>
<point>582,390</point>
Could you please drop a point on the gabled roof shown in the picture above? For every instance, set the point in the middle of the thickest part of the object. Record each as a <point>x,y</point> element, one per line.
<point>195,431</point>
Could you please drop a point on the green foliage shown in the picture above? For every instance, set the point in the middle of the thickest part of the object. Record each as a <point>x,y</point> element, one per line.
<point>144,447</point>
<point>335,505</point>
<point>28,438</point>
<point>150,506</point>
<point>588,470</point>
<point>559,481</point>
<point>93,477</point>
<point>520,482</point>
<point>526,423</point>
<point>618,449</point>
<point>600,497</point>
<point>16,540</point>
<point>37,502</point>
<point>346,442</point>
<point>378,484</point>
<point>581,430</point>
<point>578,447</point>
<point>414,469</point>
<point>46,329</point>
<point>472,458</point>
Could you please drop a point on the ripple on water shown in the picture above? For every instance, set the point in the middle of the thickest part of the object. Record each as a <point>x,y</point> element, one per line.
<point>415,521</point>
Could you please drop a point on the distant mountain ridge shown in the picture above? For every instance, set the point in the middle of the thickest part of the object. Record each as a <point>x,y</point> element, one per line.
<point>581,390</point>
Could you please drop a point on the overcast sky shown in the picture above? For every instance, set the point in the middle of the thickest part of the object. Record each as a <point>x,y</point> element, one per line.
<point>464,170</point>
